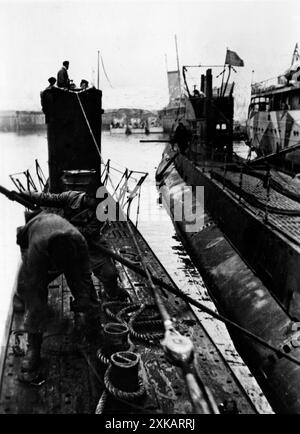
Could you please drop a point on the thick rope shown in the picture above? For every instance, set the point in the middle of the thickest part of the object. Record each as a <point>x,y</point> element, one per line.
<point>148,337</point>
<point>101,403</point>
<point>102,357</point>
<point>90,129</point>
<point>97,376</point>
<point>174,290</point>
<point>121,394</point>
<point>94,139</point>
<point>133,322</point>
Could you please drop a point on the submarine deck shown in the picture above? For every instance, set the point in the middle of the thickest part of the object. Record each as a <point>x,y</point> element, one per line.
<point>281,203</point>
<point>72,376</point>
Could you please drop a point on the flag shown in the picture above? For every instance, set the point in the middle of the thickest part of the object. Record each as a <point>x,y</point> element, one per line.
<point>233,59</point>
<point>296,55</point>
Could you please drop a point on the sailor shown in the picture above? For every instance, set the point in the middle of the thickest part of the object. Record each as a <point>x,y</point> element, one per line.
<point>72,85</point>
<point>181,137</point>
<point>63,76</point>
<point>47,99</point>
<point>84,84</point>
<point>52,81</point>
<point>196,91</point>
<point>50,243</point>
<point>80,209</point>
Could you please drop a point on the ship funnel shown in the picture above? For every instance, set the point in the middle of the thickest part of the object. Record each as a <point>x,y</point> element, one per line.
<point>208,83</point>
<point>202,83</point>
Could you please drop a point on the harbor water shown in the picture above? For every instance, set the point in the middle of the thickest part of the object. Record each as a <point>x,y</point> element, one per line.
<point>18,153</point>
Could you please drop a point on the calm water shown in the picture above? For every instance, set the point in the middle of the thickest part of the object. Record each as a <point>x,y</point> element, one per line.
<point>18,152</point>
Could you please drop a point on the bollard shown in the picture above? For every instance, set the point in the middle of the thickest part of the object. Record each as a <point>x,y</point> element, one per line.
<point>115,338</point>
<point>124,370</point>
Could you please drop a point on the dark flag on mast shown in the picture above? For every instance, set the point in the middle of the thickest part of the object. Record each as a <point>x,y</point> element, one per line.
<point>296,55</point>
<point>233,59</point>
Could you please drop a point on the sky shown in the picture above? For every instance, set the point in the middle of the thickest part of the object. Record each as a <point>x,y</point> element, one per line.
<point>136,40</point>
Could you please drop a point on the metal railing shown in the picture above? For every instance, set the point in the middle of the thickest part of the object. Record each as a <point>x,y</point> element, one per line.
<point>123,185</point>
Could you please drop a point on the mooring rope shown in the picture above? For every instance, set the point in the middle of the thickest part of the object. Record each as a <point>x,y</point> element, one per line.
<point>122,394</point>
<point>90,129</point>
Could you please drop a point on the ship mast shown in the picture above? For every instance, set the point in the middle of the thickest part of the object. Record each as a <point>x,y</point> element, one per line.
<point>98,87</point>
<point>295,54</point>
<point>177,58</point>
<point>166,61</point>
<point>98,75</point>
<point>179,82</point>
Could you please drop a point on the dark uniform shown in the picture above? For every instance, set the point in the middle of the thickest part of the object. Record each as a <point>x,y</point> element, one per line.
<point>181,137</point>
<point>47,103</point>
<point>51,246</point>
<point>73,209</point>
<point>38,269</point>
<point>63,78</point>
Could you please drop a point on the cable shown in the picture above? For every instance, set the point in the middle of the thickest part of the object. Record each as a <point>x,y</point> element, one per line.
<point>178,349</point>
<point>102,63</point>
<point>199,305</point>
<point>89,127</point>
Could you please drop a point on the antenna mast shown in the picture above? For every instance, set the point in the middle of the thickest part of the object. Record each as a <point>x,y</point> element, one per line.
<point>98,71</point>
<point>166,61</point>
<point>177,57</point>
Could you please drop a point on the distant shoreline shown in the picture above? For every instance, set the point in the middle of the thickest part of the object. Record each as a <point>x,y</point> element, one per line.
<point>31,120</point>
<point>21,120</point>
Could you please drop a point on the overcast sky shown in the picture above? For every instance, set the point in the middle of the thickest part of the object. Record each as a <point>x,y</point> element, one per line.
<point>133,38</point>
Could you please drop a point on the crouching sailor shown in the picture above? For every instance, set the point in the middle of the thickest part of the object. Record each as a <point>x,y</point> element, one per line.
<point>51,244</point>
<point>80,209</point>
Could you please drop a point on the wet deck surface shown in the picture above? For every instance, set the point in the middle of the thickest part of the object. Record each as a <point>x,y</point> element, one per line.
<point>73,375</point>
<point>66,385</point>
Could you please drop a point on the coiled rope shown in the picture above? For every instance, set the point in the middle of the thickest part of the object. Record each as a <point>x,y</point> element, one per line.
<point>121,394</point>
<point>101,403</point>
<point>102,399</point>
<point>135,322</point>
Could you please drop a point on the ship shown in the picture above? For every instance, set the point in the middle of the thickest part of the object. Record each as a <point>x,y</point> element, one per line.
<point>137,125</point>
<point>175,109</point>
<point>136,129</point>
<point>176,106</point>
<point>238,219</point>
<point>142,361</point>
<point>273,117</point>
